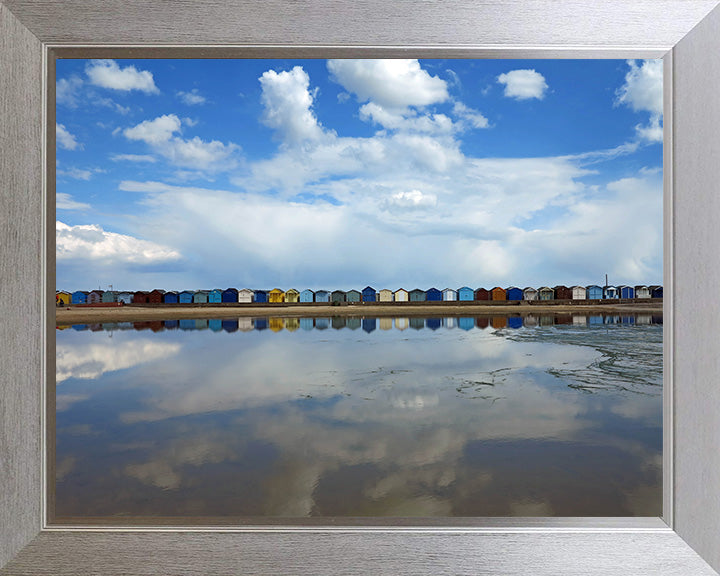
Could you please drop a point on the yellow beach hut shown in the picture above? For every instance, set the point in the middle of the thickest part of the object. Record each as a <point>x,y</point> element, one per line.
<point>292,295</point>
<point>276,295</point>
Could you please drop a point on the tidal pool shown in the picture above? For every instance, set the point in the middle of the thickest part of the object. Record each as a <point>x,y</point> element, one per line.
<point>294,418</point>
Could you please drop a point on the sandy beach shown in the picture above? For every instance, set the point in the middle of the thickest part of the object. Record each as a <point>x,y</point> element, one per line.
<point>139,313</point>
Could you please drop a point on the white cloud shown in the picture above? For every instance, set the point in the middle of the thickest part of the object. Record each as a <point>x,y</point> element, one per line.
<point>64,139</point>
<point>407,121</point>
<point>107,74</point>
<point>287,103</point>
<point>91,243</point>
<point>643,92</point>
<point>194,153</point>
<point>66,91</point>
<point>76,173</point>
<point>192,98</point>
<point>392,84</point>
<point>64,201</point>
<point>410,200</point>
<point>473,117</point>
<point>523,84</point>
<point>133,158</point>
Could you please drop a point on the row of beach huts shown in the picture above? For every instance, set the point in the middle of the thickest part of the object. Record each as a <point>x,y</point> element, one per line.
<point>368,294</point>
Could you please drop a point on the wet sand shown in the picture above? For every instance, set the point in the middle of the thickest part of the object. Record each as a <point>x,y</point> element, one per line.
<point>132,313</point>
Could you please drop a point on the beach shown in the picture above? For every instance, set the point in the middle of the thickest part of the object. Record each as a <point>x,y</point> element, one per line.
<point>145,312</point>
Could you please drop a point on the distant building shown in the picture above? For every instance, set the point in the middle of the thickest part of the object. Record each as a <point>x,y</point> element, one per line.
<point>156,296</point>
<point>626,291</point>
<point>417,295</point>
<point>594,292</point>
<point>276,295</point>
<point>170,297</point>
<point>322,296</point>
<point>530,293</point>
<point>337,296</point>
<point>610,293</point>
<point>449,295</point>
<point>353,296</point>
<point>656,291</point>
<point>79,297</point>
<point>186,297</point>
<point>563,293</point>
<point>125,297</point>
<point>215,297</point>
<point>546,293</point>
<point>62,298</point>
<point>95,297</point>
<point>466,294</point>
<point>642,292</point>
<point>140,297</point>
<point>109,296</point>
<point>261,296</point>
<point>200,297</point>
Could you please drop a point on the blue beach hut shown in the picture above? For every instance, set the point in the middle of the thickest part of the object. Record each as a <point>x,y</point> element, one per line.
<point>656,291</point>
<point>611,293</point>
<point>261,296</point>
<point>353,296</point>
<point>466,294</point>
<point>186,297</point>
<point>369,294</point>
<point>170,297</point>
<point>417,295</point>
<point>230,295</point>
<point>594,292</point>
<point>322,296</point>
<point>626,291</point>
<point>433,295</point>
<point>79,297</point>
<point>514,293</point>
<point>215,296</point>
<point>307,296</point>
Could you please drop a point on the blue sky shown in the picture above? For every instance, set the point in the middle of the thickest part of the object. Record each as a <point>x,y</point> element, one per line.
<point>189,174</point>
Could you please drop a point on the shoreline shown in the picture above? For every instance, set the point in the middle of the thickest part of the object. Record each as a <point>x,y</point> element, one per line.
<point>68,315</point>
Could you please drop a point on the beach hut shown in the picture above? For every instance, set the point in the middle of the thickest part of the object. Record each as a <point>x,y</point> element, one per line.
<point>63,298</point>
<point>594,292</point>
<point>498,293</point>
<point>187,324</point>
<point>109,296</point>
<point>610,293</point>
<point>78,297</point>
<point>433,295</point>
<point>292,296</point>
<point>322,296</point>
<point>563,293</point>
<point>353,296</point>
<point>307,296</point>
<point>514,293</point>
<point>400,295</point>
<point>276,295</point>
<point>530,293</point>
<point>385,295</point>
<point>546,293</point>
<point>656,291</point>
<point>626,291</point>
<point>200,297</point>
<point>230,295</point>
<point>417,295</point>
<point>449,295</point>
<point>186,297</point>
<point>337,296</point>
<point>369,294</point>
<point>579,293</point>
<point>125,297</point>
<point>156,296</point>
<point>140,297</point>
<point>215,324</point>
<point>170,297</point>
<point>261,296</point>
<point>215,297</point>
<point>95,297</point>
<point>466,294</point>
<point>482,294</point>
<point>642,292</point>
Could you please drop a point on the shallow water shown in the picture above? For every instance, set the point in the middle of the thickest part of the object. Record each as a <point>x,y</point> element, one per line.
<point>274,417</point>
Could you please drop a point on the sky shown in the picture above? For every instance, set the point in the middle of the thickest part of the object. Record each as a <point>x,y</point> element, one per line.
<point>338,174</point>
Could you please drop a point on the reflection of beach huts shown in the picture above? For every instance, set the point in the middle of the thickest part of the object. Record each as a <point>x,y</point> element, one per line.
<point>610,293</point>
<point>530,321</point>
<point>186,297</point>
<point>95,297</point>
<point>322,323</point>
<point>656,291</point>
<point>433,323</point>
<point>215,296</point>
<point>498,293</point>
<point>201,324</point>
<point>292,296</point>
<point>292,324</point>
<point>369,324</point>
<point>200,297</point>
<point>515,322</point>
<point>187,324</point>
<point>514,293</point>
<point>579,320</point>
<point>230,325</point>
<point>322,296</point>
<point>482,294</point>
<point>466,294</point>
<point>385,295</point>
<point>642,292</point>
<point>563,319</point>
<point>276,324</point>
<point>262,323</point>
<point>140,297</point>
<point>498,322</point>
<point>170,297</point>
<point>125,297</point>
<point>626,291</point>
<point>215,324</point>
<point>530,293</point>
<point>594,292</point>
<point>306,296</point>
<point>109,296</point>
<point>482,322</point>
<point>245,295</point>
<point>546,293</point>
<point>417,295</point>
<point>353,322</point>
<point>401,323</point>
<point>417,323</point>
<point>276,296</point>
<point>337,296</point>
<point>401,295</point>
<point>353,296</point>
<point>230,295</point>
<point>62,298</point>
<point>449,295</point>
<point>385,323</point>
<point>169,324</point>
<point>338,322</point>
<point>261,296</point>
<point>563,292</point>
<point>433,295</point>
<point>369,294</point>
<point>307,323</point>
<point>466,323</point>
<point>546,320</point>
<point>579,293</point>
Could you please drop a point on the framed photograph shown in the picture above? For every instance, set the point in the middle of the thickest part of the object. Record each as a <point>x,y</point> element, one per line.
<point>682,33</point>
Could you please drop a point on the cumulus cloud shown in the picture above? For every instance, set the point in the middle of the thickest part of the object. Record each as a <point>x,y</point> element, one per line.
<point>643,92</point>
<point>411,199</point>
<point>64,201</point>
<point>64,139</point>
<point>91,243</point>
<point>76,173</point>
<point>67,91</point>
<point>472,117</point>
<point>133,158</point>
<point>108,74</point>
<point>194,153</point>
<point>523,84</point>
<point>287,102</point>
<point>192,98</point>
